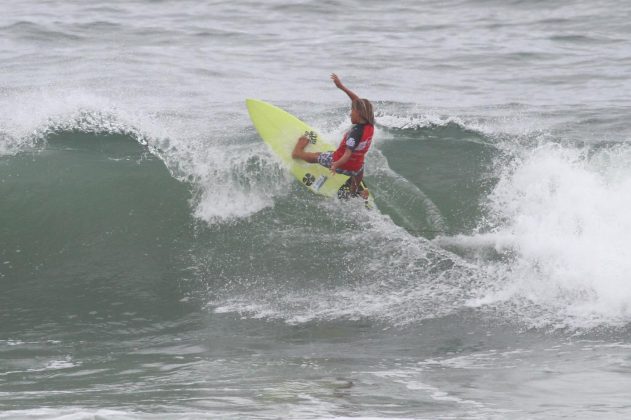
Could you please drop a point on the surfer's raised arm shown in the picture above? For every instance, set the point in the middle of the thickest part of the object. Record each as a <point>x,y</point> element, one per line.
<point>341,86</point>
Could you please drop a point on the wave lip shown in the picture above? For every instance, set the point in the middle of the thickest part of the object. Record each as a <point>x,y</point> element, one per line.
<point>230,180</point>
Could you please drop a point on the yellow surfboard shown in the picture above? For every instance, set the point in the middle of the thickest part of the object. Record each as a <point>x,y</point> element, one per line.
<point>280,130</point>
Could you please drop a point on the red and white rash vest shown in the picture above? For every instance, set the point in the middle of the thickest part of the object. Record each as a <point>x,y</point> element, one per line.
<point>358,140</point>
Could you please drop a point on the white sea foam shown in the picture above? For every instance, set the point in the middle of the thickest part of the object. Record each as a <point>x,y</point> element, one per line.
<point>236,182</point>
<point>560,222</point>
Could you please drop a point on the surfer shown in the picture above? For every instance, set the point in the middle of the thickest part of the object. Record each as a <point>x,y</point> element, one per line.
<point>348,159</point>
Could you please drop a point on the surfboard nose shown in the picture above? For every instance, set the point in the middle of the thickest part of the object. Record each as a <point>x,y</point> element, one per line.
<point>252,104</point>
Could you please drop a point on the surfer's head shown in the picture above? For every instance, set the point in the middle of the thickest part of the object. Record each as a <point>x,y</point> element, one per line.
<point>361,112</point>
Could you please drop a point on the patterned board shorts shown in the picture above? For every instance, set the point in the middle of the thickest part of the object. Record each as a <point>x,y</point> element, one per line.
<point>326,159</point>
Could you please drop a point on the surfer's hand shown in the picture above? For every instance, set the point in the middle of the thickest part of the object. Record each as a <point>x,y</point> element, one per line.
<point>337,81</point>
<point>333,169</point>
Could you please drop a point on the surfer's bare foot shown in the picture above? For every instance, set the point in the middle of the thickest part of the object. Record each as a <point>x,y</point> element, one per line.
<point>299,148</point>
<point>364,194</point>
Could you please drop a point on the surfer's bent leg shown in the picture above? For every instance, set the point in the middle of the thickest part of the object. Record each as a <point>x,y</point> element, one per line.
<point>357,187</point>
<point>354,184</point>
<point>299,151</point>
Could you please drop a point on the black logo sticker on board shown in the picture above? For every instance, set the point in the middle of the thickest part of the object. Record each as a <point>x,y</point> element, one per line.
<point>308,179</point>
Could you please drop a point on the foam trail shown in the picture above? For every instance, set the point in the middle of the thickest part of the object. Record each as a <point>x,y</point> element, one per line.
<point>396,279</point>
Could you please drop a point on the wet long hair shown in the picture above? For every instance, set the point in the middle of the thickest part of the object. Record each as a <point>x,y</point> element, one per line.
<point>364,107</point>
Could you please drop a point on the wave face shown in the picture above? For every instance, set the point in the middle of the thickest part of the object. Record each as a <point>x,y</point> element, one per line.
<point>468,217</point>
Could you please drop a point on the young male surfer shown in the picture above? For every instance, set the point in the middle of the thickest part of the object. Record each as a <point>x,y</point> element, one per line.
<point>348,159</point>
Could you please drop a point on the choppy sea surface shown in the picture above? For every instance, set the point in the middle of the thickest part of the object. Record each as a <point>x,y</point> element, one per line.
<point>157,261</point>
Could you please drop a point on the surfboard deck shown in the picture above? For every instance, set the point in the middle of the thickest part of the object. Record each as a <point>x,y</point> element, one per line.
<point>280,131</point>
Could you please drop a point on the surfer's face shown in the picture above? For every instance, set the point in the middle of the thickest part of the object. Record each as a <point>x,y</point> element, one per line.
<point>355,116</point>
